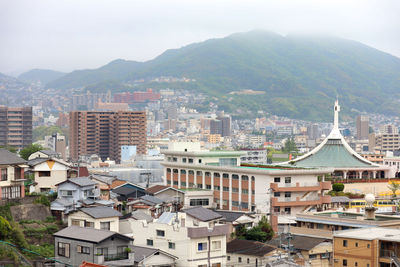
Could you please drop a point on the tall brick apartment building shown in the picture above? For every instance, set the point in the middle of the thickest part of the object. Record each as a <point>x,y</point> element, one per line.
<point>104,132</point>
<point>15,126</point>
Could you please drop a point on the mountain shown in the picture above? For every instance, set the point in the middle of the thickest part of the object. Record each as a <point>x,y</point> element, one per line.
<point>44,76</point>
<point>300,75</point>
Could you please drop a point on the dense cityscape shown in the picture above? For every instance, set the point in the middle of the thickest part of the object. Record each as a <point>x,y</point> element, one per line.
<point>251,149</point>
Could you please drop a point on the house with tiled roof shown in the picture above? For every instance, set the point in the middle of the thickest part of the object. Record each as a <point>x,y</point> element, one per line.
<point>98,217</point>
<point>11,175</point>
<point>248,253</point>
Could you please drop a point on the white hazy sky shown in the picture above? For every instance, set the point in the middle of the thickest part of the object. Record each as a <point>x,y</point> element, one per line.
<point>73,34</point>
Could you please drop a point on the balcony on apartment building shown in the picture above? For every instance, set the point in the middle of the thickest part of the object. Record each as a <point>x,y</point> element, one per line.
<point>299,201</point>
<point>303,187</point>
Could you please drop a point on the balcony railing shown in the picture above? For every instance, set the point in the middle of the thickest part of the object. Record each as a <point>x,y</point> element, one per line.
<point>116,257</point>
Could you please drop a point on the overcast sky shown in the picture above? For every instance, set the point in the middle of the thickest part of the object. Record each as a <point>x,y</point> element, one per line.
<point>74,34</point>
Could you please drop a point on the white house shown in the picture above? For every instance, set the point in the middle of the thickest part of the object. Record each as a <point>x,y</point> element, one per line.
<point>194,236</point>
<point>100,217</point>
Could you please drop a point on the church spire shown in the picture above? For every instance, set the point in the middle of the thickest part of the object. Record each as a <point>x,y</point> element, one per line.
<point>336,116</point>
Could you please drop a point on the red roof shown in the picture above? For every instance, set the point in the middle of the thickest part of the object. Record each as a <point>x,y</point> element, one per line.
<point>157,188</point>
<point>89,264</point>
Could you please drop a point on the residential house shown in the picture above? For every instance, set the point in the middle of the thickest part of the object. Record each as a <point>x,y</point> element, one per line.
<point>306,249</point>
<point>166,193</point>
<point>370,247</point>
<point>44,154</point>
<point>150,205</point>
<point>104,183</point>
<point>248,253</point>
<point>100,217</point>
<point>198,197</point>
<point>48,172</point>
<point>194,236</point>
<point>11,175</point>
<point>128,191</point>
<point>75,193</point>
<point>74,244</point>
<point>237,219</point>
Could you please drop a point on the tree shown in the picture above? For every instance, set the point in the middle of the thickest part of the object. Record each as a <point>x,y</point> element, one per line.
<point>261,232</point>
<point>5,228</point>
<point>394,186</point>
<point>290,146</point>
<point>29,150</point>
<point>338,187</point>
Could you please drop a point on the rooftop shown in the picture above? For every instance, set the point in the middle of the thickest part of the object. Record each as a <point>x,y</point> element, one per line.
<point>202,214</point>
<point>101,212</point>
<point>88,234</point>
<point>8,158</point>
<point>248,247</point>
<point>387,234</point>
<point>79,181</point>
<point>299,242</point>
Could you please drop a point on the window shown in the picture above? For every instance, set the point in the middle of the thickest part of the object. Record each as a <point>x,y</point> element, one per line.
<point>235,203</point>
<point>253,178</point>
<point>245,191</point>
<point>202,246</point>
<point>175,159</point>
<point>356,244</point>
<point>199,202</point>
<point>240,259</point>
<point>175,182</point>
<point>248,260</point>
<point>235,177</point>
<point>277,179</point>
<point>312,256</point>
<point>225,175</point>
<point>82,249</point>
<point>11,192</point>
<point>190,160</point>
<point>216,174</point>
<point>66,193</point>
<point>288,180</point>
<point>217,187</point>
<point>105,226</point>
<point>102,251</point>
<point>245,178</point>
<point>171,245</point>
<point>228,258</point>
<point>208,174</point>
<point>199,185</point>
<point>277,194</point>
<point>183,171</point>
<point>183,184</point>
<point>44,173</point>
<point>288,194</point>
<point>344,262</point>
<point>121,249</point>
<point>160,233</point>
<point>235,189</point>
<point>3,174</point>
<point>149,242</point>
<point>344,243</point>
<point>63,249</point>
<point>208,186</point>
<point>191,172</point>
<point>277,209</point>
<point>199,160</point>
<point>89,224</point>
<point>199,173</point>
<point>168,182</point>
<point>76,222</point>
<point>226,189</point>
<point>168,169</point>
<point>356,264</point>
<point>287,210</point>
<point>253,192</point>
<point>244,205</point>
<point>184,160</point>
<point>368,246</point>
<point>216,245</point>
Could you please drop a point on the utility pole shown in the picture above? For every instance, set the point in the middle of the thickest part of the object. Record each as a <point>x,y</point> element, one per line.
<point>147,179</point>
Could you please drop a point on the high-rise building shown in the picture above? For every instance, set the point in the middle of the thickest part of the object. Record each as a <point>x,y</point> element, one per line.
<point>15,126</point>
<point>362,127</point>
<point>104,132</point>
<point>221,126</point>
<point>388,129</point>
<point>313,132</point>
